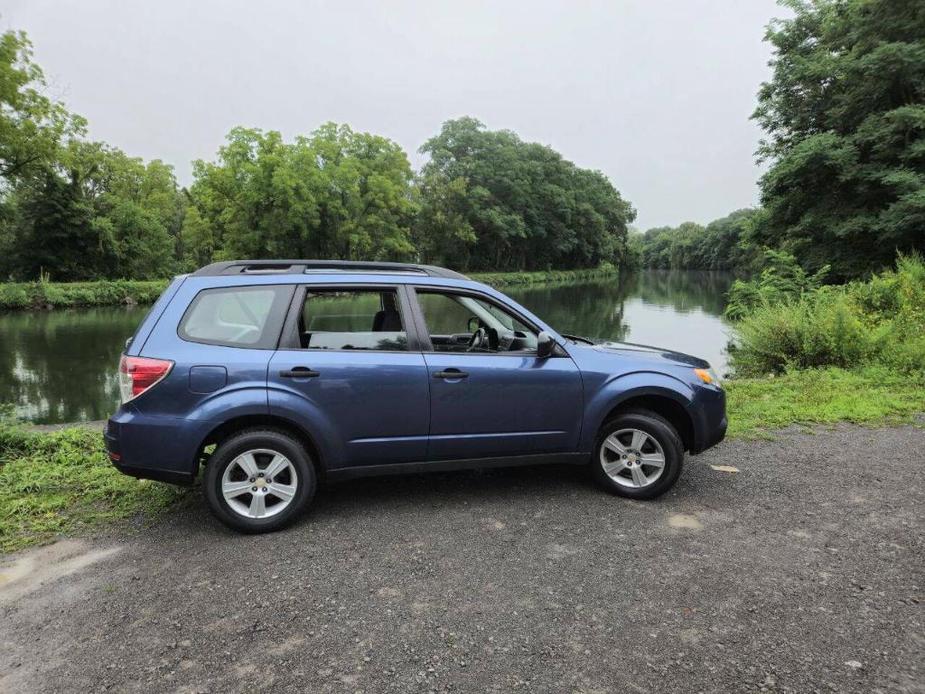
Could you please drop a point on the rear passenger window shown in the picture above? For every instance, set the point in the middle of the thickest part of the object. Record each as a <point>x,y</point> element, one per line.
<point>365,319</point>
<point>237,316</point>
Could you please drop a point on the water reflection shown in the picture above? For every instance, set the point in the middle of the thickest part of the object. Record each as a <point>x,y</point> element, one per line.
<point>60,366</point>
<point>680,310</point>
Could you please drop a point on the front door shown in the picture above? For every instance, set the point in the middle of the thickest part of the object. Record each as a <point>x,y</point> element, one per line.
<point>347,370</point>
<point>490,395</point>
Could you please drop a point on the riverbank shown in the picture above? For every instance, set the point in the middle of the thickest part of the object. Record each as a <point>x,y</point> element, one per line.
<point>25,296</point>
<point>61,482</point>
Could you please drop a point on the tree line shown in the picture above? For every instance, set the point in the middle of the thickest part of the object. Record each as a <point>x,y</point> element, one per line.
<point>844,113</point>
<point>73,209</point>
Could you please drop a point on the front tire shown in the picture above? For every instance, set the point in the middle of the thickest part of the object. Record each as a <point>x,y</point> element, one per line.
<point>259,480</point>
<point>638,454</point>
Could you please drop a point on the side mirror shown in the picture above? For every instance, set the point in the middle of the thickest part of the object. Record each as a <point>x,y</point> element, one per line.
<point>544,345</point>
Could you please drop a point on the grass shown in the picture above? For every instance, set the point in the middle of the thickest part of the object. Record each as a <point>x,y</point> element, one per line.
<point>874,395</point>
<point>20,296</point>
<point>63,483</point>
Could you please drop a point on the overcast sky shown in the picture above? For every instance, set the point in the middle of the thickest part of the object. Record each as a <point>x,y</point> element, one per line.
<point>655,93</point>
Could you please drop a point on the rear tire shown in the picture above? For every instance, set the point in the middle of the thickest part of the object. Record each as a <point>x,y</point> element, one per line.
<point>637,454</point>
<point>259,480</point>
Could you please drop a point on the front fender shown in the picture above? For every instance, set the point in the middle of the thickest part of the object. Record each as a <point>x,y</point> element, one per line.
<point>619,389</point>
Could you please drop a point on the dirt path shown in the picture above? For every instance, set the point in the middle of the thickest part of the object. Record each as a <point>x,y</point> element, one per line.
<point>803,571</point>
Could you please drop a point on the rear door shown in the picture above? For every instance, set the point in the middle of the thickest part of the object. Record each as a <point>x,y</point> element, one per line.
<point>495,398</point>
<point>349,367</point>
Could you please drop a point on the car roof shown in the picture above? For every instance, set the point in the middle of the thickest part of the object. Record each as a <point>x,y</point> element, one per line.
<point>327,267</point>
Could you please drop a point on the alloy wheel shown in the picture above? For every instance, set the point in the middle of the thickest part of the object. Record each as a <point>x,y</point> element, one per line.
<point>259,483</point>
<point>632,458</point>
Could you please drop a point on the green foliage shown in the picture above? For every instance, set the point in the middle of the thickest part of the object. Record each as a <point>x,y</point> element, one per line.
<point>31,125</point>
<point>490,201</point>
<point>782,280</point>
<point>506,279</point>
<point>871,395</point>
<point>723,244</point>
<point>845,114</point>
<point>878,322</point>
<point>334,194</point>
<point>63,481</point>
<point>18,296</point>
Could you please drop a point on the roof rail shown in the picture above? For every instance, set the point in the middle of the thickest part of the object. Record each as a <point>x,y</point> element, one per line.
<point>289,267</point>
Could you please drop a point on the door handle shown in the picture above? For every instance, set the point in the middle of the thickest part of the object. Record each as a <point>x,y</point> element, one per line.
<point>299,372</point>
<point>451,373</point>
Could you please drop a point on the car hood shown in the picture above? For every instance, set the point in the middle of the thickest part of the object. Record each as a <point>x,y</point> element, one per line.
<point>647,352</point>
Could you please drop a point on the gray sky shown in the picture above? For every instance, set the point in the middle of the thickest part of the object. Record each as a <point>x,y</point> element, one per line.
<point>655,93</point>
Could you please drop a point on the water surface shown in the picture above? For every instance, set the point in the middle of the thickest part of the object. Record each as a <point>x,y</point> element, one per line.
<point>60,366</point>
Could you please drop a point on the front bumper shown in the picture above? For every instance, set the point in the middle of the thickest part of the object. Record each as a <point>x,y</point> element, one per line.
<point>710,420</point>
<point>156,448</point>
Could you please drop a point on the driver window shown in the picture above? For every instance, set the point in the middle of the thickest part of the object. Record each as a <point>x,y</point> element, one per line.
<point>462,323</point>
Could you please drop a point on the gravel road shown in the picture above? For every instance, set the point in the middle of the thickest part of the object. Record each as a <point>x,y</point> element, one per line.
<point>803,571</point>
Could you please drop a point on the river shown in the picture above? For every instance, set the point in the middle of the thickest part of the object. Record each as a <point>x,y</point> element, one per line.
<point>60,366</point>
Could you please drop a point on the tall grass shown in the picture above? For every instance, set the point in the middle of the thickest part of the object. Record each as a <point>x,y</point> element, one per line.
<point>881,321</point>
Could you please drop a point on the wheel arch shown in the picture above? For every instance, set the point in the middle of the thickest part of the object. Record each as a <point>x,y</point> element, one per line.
<point>664,406</point>
<point>252,421</point>
<point>659,393</point>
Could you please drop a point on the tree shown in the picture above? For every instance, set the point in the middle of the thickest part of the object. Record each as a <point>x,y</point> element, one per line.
<point>491,201</point>
<point>845,117</point>
<point>31,125</point>
<point>334,194</point>
<point>723,244</point>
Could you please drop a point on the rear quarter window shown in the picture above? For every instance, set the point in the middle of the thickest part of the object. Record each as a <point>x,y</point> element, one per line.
<point>237,316</point>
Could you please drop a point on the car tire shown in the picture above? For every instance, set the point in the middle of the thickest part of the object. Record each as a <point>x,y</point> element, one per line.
<point>628,450</point>
<point>240,485</point>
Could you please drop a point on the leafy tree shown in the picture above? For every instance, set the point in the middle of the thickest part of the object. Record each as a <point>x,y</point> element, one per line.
<point>336,193</point>
<point>491,201</point>
<point>845,116</point>
<point>31,125</point>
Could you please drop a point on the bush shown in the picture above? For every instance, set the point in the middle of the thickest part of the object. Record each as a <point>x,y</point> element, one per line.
<point>781,280</point>
<point>877,322</point>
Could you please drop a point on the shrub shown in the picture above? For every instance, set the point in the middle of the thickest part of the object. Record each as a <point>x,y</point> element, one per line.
<point>877,322</point>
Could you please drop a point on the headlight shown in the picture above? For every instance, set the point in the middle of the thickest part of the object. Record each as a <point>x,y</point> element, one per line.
<point>707,375</point>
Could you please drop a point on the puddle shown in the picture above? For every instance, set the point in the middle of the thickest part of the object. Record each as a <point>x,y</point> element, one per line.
<point>34,569</point>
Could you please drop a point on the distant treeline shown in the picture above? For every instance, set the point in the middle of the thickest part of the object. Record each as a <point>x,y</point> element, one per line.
<point>73,210</point>
<point>724,244</point>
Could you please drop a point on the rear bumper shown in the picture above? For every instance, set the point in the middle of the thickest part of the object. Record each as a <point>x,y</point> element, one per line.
<point>156,448</point>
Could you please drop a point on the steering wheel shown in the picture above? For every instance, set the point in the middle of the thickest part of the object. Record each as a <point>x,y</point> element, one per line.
<point>479,339</point>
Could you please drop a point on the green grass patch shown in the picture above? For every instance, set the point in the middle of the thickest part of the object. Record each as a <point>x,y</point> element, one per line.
<point>506,279</point>
<point>62,482</point>
<point>17,296</point>
<point>875,395</point>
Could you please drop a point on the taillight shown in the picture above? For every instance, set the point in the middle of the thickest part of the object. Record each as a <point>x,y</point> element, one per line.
<point>138,374</point>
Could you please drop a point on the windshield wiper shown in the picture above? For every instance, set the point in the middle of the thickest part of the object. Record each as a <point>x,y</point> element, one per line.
<point>577,338</point>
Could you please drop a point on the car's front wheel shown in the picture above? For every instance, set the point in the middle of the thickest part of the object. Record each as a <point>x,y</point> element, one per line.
<point>259,480</point>
<point>638,454</point>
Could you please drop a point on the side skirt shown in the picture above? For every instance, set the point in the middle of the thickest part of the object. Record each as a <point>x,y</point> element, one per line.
<point>350,473</point>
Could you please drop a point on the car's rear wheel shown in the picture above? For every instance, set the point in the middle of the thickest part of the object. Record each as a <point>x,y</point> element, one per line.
<point>259,480</point>
<point>638,454</point>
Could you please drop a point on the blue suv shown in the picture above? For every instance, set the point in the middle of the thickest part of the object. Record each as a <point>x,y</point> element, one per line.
<point>275,374</point>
